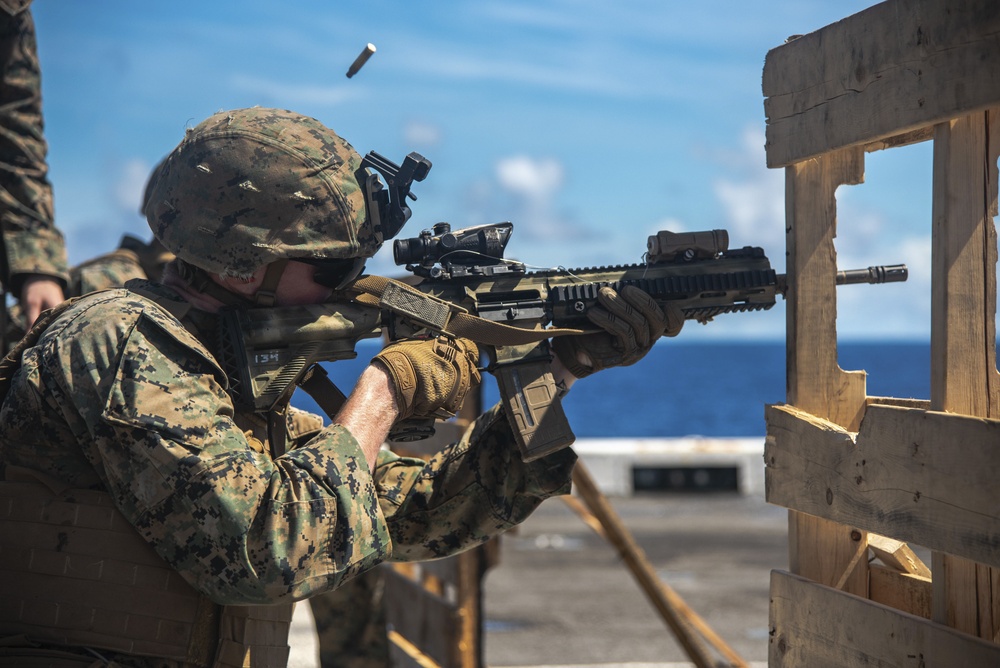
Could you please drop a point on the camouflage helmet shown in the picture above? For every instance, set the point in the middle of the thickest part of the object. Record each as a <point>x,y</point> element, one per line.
<point>251,186</point>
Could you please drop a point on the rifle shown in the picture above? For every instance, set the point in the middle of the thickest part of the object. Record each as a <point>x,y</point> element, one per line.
<point>463,286</point>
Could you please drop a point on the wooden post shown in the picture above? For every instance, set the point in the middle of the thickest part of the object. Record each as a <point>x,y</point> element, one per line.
<point>820,550</point>
<point>898,72</point>
<point>690,630</point>
<point>437,609</point>
<point>964,376</point>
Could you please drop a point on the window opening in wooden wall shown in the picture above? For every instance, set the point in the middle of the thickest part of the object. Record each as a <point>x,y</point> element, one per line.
<point>885,329</point>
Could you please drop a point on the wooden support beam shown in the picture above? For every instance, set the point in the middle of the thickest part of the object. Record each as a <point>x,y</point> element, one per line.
<point>902,591</point>
<point>423,618</point>
<point>897,555</point>
<point>887,71</point>
<point>964,376</point>
<point>900,475</point>
<point>813,625</point>
<point>819,549</point>
<point>690,630</point>
<point>411,653</point>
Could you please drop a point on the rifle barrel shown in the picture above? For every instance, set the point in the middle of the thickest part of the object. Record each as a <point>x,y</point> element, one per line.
<point>893,273</point>
<point>883,273</point>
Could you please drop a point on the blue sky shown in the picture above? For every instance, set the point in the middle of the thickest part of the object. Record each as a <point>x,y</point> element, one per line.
<point>589,124</point>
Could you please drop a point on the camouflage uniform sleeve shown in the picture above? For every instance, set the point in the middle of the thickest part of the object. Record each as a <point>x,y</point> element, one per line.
<point>467,493</point>
<point>32,243</point>
<point>148,404</point>
<point>112,270</point>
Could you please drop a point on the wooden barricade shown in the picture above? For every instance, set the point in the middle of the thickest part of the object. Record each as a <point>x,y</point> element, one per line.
<point>863,476</point>
<point>434,608</point>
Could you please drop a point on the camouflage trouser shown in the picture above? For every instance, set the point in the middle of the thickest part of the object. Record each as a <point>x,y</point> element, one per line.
<point>350,621</point>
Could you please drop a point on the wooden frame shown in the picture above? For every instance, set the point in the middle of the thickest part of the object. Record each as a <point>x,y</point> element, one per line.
<point>846,464</point>
<point>434,608</point>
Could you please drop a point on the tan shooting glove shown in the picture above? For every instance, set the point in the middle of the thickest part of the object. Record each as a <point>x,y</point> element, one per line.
<point>430,377</point>
<point>632,322</point>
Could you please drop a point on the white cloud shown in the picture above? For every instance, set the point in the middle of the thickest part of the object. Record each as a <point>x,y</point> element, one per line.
<point>671,224</point>
<point>753,198</point>
<point>423,134</point>
<point>534,179</point>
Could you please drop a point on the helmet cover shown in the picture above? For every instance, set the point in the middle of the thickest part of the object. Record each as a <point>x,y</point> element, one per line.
<point>251,186</point>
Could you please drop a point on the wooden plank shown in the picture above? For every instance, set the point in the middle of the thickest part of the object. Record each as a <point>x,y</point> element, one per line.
<point>904,139</point>
<point>468,651</point>
<point>897,555</point>
<point>891,69</point>
<point>813,625</point>
<point>423,619</point>
<point>961,315</point>
<point>963,306</point>
<point>898,401</point>
<point>689,629</point>
<point>816,382</point>
<point>902,591</point>
<point>404,654</point>
<point>900,477</point>
<point>818,549</point>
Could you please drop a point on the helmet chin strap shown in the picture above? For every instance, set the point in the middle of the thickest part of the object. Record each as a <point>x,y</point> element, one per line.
<point>266,294</point>
<point>200,280</point>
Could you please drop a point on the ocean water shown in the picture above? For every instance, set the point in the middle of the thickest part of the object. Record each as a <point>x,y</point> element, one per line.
<point>704,389</point>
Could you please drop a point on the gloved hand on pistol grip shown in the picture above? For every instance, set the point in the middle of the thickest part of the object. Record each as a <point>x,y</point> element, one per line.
<point>632,323</point>
<point>430,377</point>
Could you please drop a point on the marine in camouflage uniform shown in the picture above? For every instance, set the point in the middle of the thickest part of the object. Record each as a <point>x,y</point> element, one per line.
<point>133,258</point>
<point>351,619</point>
<point>32,245</point>
<point>145,519</point>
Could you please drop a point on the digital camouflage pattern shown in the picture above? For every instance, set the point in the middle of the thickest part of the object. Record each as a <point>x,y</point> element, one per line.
<point>250,186</point>
<point>118,395</point>
<point>350,620</point>
<point>32,243</point>
<point>133,258</point>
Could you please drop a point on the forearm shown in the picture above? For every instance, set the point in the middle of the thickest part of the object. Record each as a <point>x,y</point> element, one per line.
<point>370,412</point>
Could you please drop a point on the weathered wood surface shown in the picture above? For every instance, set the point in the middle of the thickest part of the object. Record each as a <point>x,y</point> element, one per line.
<point>897,555</point>
<point>903,475</point>
<point>964,377</point>
<point>424,619</point>
<point>819,549</point>
<point>435,607</point>
<point>887,71</point>
<point>813,625</point>
<point>902,591</point>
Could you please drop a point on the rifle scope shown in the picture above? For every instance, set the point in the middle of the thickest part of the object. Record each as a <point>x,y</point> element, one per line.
<point>465,246</point>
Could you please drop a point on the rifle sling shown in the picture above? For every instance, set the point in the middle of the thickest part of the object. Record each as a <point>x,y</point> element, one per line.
<point>444,316</point>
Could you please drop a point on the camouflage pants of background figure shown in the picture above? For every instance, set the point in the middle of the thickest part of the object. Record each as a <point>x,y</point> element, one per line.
<point>350,622</point>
